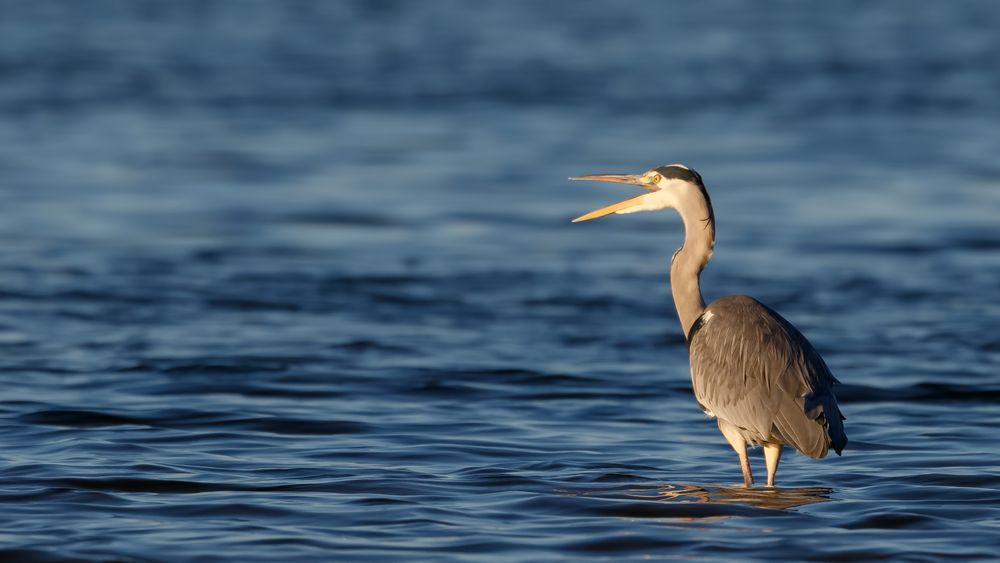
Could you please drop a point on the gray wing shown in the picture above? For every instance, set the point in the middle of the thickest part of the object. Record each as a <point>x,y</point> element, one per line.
<point>752,368</point>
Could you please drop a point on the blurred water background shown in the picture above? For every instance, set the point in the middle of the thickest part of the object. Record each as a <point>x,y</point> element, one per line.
<point>296,280</point>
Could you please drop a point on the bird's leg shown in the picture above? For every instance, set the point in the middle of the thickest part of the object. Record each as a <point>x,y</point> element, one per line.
<point>739,443</point>
<point>772,453</point>
<point>745,466</point>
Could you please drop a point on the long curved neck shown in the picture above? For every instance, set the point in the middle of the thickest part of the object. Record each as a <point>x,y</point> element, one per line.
<point>690,259</point>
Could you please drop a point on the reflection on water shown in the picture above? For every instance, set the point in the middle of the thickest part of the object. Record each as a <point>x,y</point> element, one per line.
<point>760,497</point>
<point>693,503</point>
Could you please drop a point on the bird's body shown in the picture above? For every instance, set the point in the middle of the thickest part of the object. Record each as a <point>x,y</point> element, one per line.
<point>750,368</point>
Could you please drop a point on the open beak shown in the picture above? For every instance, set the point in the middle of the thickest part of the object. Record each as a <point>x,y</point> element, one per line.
<point>635,179</point>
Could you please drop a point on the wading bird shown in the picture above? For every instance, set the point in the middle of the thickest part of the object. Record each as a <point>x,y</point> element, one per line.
<point>750,368</point>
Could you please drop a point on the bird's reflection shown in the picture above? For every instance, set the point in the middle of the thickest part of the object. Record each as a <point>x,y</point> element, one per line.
<point>759,497</point>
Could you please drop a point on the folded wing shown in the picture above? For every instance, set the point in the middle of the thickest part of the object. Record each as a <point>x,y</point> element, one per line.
<point>752,368</point>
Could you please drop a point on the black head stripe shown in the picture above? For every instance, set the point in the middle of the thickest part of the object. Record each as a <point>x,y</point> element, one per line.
<point>680,173</point>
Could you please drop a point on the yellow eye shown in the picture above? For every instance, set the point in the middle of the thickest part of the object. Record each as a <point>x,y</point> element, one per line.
<point>655,179</point>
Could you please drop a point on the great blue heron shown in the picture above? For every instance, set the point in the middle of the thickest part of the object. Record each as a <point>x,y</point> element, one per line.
<point>750,368</point>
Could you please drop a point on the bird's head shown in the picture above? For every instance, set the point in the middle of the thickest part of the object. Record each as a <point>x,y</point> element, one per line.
<point>668,186</point>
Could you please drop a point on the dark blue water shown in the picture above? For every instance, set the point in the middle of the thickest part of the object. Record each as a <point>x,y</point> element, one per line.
<point>293,281</point>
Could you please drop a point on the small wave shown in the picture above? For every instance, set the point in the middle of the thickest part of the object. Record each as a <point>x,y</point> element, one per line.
<point>247,304</point>
<point>362,345</point>
<point>78,418</point>
<point>382,501</point>
<point>216,365</point>
<point>920,392</point>
<point>626,544</point>
<point>221,510</point>
<point>37,556</point>
<point>187,419</point>
<point>139,485</point>
<point>291,426</point>
<point>677,510</point>
<point>891,520</point>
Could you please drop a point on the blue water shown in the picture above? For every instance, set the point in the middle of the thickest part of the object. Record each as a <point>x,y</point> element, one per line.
<point>296,281</point>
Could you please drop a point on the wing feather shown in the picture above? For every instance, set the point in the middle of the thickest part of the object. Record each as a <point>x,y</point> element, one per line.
<point>752,368</point>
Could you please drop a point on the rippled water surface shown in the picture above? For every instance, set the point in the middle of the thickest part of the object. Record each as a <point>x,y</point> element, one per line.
<point>291,281</point>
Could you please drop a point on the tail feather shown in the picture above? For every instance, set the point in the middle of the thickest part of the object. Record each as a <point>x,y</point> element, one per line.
<point>797,430</point>
<point>835,424</point>
<point>815,426</point>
